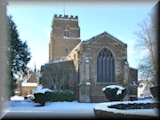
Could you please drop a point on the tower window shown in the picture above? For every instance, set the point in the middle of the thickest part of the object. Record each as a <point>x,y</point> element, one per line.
<point>66,31</point>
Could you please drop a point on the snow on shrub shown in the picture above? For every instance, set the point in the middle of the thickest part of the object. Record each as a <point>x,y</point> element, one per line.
<point>114,92</point>
<point>40,89</point>
<point>41,94</point>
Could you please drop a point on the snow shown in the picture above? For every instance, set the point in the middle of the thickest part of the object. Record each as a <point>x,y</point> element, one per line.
<point>120,88</point>
<point>147,112</point>
<point>88,83</point>
<point>87,60</point>
<point>119,92</point>
<point>29,84</point>
<point>58,106</point>
<point>80,83</point>
<point>70,37</point>
<point>115,86</point>
<point>134,84</point>
<point>57,61</point>
<point>145,97</point>
<point>17,104</point>
<point>40,89</point>
<point>17,98</point>
<point>55,107</point>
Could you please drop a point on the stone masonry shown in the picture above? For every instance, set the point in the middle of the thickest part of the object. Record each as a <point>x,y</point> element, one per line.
<point>65,45</point>
<point>65,35</point>
<point>85,60</point>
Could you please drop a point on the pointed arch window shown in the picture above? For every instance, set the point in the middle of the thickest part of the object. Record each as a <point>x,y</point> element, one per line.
<point>105,66</point>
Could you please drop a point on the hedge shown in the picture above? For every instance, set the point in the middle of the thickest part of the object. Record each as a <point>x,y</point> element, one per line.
<point>54,96</point>
<point>65,95</point>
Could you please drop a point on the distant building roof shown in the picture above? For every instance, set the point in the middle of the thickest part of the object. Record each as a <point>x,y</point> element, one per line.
<point>31,77</point>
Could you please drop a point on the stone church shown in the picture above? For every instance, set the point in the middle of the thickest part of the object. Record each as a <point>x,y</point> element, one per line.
<point>95,63</point>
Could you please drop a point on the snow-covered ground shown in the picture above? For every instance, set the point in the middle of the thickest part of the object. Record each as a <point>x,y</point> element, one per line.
<point>60,108</point>
<point>19,104</point>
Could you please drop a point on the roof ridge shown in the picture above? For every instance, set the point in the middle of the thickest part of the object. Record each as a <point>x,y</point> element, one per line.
<point>103,33</point>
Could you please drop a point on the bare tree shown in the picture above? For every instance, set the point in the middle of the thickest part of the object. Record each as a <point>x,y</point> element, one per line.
<point>146,48</point>
<point>61,76</point>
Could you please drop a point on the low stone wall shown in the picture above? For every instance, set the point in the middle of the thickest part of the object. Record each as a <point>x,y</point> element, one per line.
<point>131,109</point>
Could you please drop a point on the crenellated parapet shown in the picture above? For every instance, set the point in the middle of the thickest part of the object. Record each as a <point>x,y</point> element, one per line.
<point>65,17</point>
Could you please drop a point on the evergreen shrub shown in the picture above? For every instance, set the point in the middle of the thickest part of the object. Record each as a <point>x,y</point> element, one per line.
<point>54,96</point>
<point>62,95</point>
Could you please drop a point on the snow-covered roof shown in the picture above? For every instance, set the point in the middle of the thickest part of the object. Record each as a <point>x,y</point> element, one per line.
<point>29,84</point>
<point>56,61</point>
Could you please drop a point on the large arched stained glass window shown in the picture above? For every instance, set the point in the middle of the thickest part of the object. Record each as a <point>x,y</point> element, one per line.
<point>105,66</point>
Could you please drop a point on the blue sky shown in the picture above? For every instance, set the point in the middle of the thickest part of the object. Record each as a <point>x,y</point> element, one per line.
<point>120,19</point>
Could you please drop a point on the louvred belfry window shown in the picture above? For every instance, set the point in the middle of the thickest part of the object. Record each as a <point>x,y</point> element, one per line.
<point>105,66</point>
<point>66,31</point>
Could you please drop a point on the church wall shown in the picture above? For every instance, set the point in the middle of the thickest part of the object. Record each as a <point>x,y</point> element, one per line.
<point>73,32</point>
<point>133,77</point>
<point>50,51</point>
<point>51,70</point>
<point>91,51</point>
<point>59,71</point>
<point>62,47</point>
<point>119,51</point>
<point>59,24</point>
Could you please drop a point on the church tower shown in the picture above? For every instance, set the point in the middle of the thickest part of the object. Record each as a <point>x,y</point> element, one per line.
<point>65,35</point>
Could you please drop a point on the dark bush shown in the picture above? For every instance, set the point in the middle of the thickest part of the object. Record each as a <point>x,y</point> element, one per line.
<point>40,98</point>
<point>65,95</point>
<point>41,94</point>
<point>114,94</point>
<point>54,96</point>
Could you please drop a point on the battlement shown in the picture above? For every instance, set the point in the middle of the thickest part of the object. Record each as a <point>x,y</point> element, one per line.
<point>65,17</point>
